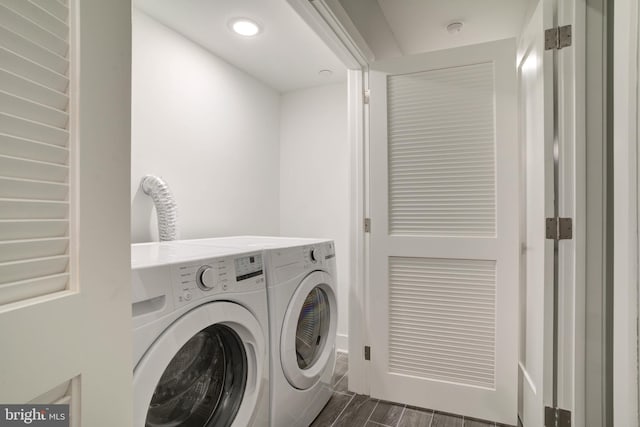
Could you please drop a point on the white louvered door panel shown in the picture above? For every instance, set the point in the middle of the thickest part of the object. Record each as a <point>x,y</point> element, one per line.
<point>442,152</point>
<point>65,299</point>
<point>448,305</point>
<point>444,231</point>
<point>34,148</point>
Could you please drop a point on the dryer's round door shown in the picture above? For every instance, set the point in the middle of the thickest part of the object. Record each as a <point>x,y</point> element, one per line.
<point>309,330</point>
<point>204,370</point>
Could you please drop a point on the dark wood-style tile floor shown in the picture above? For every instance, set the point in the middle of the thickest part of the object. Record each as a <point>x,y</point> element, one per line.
<point>346,409</point>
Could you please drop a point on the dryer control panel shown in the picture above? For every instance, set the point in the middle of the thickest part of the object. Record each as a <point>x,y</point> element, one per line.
<point>204,278</point>
<point>287,263</point>
<point>318,254</point>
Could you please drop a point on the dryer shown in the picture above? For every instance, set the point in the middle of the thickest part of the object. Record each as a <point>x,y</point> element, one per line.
<point>200,330</point>
<point>301,292</point>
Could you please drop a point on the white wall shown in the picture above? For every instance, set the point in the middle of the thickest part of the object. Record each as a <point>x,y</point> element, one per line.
<point>209,129</point>
<point>314,176</point>
<point>239,158</point>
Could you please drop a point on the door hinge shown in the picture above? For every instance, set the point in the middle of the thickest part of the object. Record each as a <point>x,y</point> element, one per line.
<point>367,352</point>
<point>366,96</point>
<point>557,38</point>
<point>559,228</point>
<point>367,225</point>
<point>556,417</point>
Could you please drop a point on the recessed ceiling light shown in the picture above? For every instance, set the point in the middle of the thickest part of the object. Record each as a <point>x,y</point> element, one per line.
<point>325,73</point>
<point>245,27</point>
<point>454,27</point>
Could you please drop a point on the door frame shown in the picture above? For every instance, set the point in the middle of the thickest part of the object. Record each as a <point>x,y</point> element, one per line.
<point>331,27</point>
<point>625,266</point>
<point>331,23</point>
<point>598,271</point>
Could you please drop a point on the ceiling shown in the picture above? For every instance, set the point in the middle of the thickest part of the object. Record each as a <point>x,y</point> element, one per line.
<point>287,55</point>
<point>415,26</point>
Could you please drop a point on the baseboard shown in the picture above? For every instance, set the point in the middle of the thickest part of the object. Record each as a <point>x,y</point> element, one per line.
<point>342,343</point>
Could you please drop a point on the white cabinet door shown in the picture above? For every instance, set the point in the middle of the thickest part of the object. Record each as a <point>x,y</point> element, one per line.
<point>445,214</point>
<point>65,313</point>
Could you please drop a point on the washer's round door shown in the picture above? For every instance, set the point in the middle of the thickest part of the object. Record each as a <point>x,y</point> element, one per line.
<point>309,330</point>
<point>204,370</point>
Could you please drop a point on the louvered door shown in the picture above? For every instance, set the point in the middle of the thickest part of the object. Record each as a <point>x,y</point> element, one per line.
<point>65,307</point>
<point>34,149</point>
<point>444,231</point>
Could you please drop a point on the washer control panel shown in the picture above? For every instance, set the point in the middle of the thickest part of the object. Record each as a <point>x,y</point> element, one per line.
<point>200,279</point>
<point>248,267</point>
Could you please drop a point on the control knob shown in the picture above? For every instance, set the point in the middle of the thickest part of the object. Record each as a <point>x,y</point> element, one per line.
<point>206,278</point>
<point>313,254</point>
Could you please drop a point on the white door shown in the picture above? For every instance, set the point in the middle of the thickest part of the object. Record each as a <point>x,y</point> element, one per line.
<point>444,231</point>
<point>535,74</point>
<point>65,308</point>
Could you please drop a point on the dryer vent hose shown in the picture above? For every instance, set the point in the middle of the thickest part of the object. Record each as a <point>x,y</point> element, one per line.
<point>159,191</point>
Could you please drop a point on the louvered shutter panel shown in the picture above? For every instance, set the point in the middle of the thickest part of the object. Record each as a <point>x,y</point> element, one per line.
<point>34,148</point>
<point>442,179</point>
<point>442,319</point>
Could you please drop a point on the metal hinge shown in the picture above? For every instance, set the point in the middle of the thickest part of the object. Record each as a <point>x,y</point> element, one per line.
<point>367,352</point>
<point>557,38</point>
<point>367,96</point>
<point>559,228</point>
<point>367,225</point>
<point>556,417</point>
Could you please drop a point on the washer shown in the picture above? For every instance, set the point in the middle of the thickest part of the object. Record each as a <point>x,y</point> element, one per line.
<point>301,293</point>
<point>200,331</point>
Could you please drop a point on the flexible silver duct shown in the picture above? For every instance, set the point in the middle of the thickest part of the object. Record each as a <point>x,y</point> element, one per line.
<point>166,208</point>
